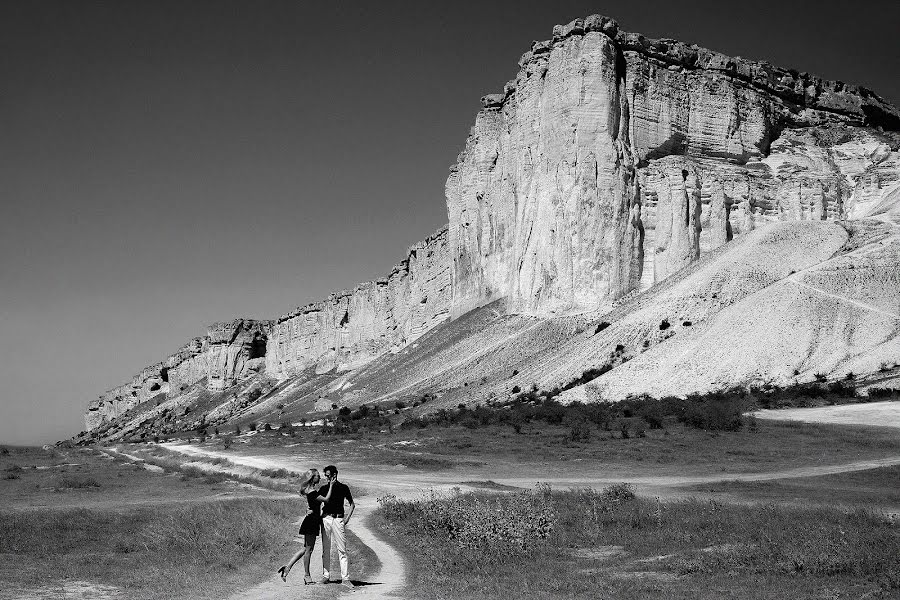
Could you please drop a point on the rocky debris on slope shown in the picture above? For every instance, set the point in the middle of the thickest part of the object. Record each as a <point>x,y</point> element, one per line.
<point>838,315</point>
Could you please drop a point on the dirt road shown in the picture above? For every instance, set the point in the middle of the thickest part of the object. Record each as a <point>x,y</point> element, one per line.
<point>876,414</point>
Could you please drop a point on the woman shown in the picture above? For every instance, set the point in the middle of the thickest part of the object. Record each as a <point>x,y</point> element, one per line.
<point>311,525</point>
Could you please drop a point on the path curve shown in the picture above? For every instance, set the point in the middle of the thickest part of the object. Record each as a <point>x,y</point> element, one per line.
<point>385,582</point>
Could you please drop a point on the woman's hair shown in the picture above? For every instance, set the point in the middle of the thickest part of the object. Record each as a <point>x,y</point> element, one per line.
<point>306,482</point>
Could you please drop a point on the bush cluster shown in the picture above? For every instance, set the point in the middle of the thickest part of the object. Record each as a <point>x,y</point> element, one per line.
<point>492,525</point>
<point>363,418</point>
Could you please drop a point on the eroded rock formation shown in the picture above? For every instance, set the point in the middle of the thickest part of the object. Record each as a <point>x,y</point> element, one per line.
<point>610,162</point>
<point>348,329</point>
<point>228,352</point>
<point>613,158</point>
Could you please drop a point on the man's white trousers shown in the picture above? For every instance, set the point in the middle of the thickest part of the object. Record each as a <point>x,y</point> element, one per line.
<point>333,533</point>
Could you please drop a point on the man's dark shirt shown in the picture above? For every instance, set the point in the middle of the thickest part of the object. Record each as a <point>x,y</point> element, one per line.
<point>339,492</point>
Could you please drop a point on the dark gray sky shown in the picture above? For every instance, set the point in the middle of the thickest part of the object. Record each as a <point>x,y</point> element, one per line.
<point>168,164</point>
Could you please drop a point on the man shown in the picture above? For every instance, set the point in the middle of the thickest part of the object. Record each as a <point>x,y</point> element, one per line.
<point>334,519</point>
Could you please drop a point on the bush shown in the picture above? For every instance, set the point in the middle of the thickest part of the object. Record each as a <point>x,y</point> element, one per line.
<point>715,412</point>
<point>276,473</point>
<point>484,526</point>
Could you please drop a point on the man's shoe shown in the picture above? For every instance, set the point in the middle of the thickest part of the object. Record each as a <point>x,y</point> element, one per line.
<point>348,584</point>
<point>325,579</point>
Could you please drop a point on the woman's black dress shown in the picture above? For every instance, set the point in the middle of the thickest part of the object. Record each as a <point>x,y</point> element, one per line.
<point>312,522</point>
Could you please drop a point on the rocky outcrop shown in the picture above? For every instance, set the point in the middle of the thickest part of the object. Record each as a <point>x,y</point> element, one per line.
<point>228,352</point>
<point>613,160</point>
<point>349,329</point>
<point>610,162</point>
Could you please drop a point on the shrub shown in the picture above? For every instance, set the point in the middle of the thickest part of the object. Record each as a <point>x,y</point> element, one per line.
<point>715,412</point>
<point>276,473</point>
<point>664,324</point>
<point>516,389</point>
<point>491,527</point>
<point>603,325</point>
<point>66,482</point>
<point>267,427</point>
<point>254,394</point>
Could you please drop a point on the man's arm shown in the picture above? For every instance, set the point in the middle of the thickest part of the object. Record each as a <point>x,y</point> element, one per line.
<point>352,506</point>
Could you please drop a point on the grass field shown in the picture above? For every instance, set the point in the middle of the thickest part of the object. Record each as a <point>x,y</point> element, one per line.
<point>871,488</point>
<point>74,519</point>
<point>766,446</point>
<point>585,544</point>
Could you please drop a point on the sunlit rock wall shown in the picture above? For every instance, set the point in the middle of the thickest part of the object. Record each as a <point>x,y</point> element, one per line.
<point>613,160</point>
<point>228,352</point>
<point>349,329</point>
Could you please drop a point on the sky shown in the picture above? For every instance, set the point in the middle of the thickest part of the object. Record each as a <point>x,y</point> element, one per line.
<point>165,165</point>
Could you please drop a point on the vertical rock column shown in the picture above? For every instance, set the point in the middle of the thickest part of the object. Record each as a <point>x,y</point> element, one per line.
<point>677,239</point>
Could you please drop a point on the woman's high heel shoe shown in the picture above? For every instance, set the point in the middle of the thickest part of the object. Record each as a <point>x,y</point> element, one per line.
<point>307,580</point>
<point>282,572</point>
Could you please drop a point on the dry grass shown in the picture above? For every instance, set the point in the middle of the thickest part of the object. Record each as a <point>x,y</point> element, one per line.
<point>198,550</point>
<point>872,488</point>
<point>612,545</point>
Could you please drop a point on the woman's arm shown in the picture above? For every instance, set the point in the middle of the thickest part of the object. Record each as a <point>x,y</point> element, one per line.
<point>327,497</point>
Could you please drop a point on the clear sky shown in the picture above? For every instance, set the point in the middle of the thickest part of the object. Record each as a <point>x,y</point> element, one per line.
<point>164,165</point>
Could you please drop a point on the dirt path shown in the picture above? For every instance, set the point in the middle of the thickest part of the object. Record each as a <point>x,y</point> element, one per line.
<point>876,414</point>
<point>391,574</point>
<point>389,579</point>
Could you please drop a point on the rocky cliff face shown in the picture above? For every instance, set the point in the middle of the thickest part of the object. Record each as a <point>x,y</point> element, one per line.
<point>344,331</point>
<point>348,329</point>
<point>610,162</point>
<point>228,352</point>
<point>613,160</point>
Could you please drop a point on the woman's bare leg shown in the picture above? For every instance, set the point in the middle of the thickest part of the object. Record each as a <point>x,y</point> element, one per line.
<point>310,544</point>
<point>287,568</point>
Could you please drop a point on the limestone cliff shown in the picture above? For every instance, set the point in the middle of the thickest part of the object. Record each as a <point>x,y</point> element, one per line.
<point>228,352</point>
<point>609,163</point>
<point>612,158</point>
<point>350,328</point>
<point>344,331</point>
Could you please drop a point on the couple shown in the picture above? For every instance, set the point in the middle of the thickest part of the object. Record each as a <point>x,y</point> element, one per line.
<point>325,514</point>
